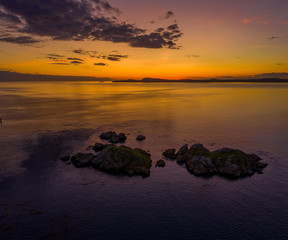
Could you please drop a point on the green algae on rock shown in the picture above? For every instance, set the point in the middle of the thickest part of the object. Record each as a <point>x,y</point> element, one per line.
<point>116,159</point>
<point>232,163</point>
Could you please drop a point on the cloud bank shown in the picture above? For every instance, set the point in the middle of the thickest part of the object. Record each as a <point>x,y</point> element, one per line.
<point>77,20</point>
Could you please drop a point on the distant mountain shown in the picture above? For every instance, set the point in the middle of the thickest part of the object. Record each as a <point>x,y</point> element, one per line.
<point>255,80</point>
<point>15,76</point>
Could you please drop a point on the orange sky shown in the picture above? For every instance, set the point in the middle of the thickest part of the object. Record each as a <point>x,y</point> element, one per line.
<point>227,38</point>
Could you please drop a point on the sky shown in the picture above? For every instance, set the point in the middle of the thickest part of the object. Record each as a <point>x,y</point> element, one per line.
<point>134,39</point>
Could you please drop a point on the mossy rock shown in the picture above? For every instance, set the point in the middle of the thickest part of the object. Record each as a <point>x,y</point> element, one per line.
<point>121,159</point>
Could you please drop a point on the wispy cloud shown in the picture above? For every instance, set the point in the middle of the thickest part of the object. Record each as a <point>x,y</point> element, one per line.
<point>257,19</point>
<point>24,40</point>
<point>100,64</point>
<point>272,38</point>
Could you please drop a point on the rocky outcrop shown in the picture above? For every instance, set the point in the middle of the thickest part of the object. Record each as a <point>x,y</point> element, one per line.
<point>160,163</point>
<point>229,162</point>
<point>170,154</point>
<point>116,159</point>
<point>98,147</point>
<point>113,137</point>
<point>81,160</point>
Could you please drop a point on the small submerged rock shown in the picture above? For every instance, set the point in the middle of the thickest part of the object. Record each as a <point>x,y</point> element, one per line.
<point>116,159</point>
<point>140,138</point>
<point>229,162</point>
<point>65,158</point>
<point>160,163</point>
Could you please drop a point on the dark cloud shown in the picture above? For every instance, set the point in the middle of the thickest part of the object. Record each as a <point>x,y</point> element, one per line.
<point>112,57</point>
<point>173,27</point>
<point>280,64</point>
<point>76,62</point>
<point>25,40</point>
<point>169,14</point>
<point>79,20</point>
<point>63,60</point>
<point>60,63</point>
<point>159,30</point>
<point>272,38</point>
<point>55,57</point>
<point>273,75</point>
<point>9,17</point>
<point>75,59</point>
<point>115,57</point>
<point>83,52</point>
<point>100,64</point>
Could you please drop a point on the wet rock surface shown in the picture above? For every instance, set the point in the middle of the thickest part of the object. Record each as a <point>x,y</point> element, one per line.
<point>113,137</point>
<point>140,138</point>
<point>170,154</point>
<point>116,159</point>
<point>232,163</point>
<point>160,163</point>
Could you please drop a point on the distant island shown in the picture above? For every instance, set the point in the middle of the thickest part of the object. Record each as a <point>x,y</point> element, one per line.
<point>255,80</point>
<point>9,76</point>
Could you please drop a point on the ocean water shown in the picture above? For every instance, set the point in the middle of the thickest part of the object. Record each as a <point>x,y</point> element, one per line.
<point>43,198</point>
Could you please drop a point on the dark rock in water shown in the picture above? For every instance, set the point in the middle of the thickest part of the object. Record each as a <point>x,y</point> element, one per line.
<point>170,153</point>
<point>181,153</point>
<point>229,162</point>
<point>107,135</point>
<point>98,147</point>
<point>198,149</point>
<point>199,165</point>
<point>122,137</point>
<point>65,158</point>
<point>116,159</point>
<point>113,137</point>
<point>160,163</point>
<point>80,160</point>
<point>140,138</point>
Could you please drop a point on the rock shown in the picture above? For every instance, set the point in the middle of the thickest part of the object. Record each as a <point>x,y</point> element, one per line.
<point>170,153</point>
<point>122,137</point>
<point>229,162</point>
<point>80,160</point>
<point>199,165</point>
<point>113,137</point>
<point>98,147</point>
<point>180,155</point>
<point>198,149</point>
<point>121,159</point>
<point>160,163</point>
<point>107,135</point>
<point>65,158</point>
<point>140,138</point>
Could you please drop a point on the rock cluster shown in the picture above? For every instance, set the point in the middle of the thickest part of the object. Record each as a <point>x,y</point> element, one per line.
<point>113,137</point>
<point>229,162</point>
<point>115,159</point>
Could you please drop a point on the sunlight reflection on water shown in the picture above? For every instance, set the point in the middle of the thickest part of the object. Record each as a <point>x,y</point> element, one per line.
<point>43,121</point>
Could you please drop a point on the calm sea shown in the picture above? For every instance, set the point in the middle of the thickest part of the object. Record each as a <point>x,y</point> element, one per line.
<point>43,198</point>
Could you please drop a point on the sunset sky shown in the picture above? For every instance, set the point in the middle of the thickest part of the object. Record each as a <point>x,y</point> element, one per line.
<point>123,39</point>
